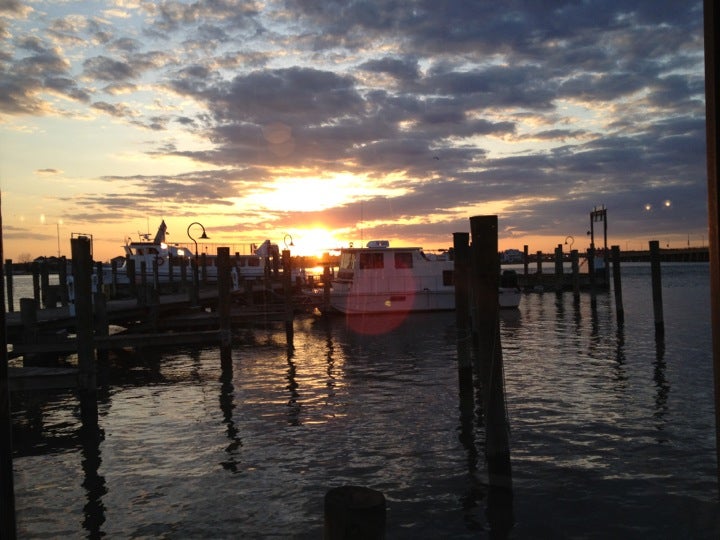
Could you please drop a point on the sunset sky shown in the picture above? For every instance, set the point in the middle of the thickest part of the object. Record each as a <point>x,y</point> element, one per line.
<point>329,122</point>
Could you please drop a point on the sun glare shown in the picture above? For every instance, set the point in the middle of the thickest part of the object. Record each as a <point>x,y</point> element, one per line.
<point>312,242</point>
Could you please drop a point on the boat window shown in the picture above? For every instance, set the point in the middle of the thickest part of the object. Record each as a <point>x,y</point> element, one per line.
<point>403,259</point>
<point>371,261</point>
<point>347,260</point>
<point>448,278</point>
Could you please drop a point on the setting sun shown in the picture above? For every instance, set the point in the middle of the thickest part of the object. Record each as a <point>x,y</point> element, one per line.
<point>311,242</point>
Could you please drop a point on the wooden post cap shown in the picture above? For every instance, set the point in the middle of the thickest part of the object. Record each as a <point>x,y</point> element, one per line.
<point>354,512</point>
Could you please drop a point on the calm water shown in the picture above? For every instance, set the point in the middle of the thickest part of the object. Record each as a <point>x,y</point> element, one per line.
<point>612,432</point>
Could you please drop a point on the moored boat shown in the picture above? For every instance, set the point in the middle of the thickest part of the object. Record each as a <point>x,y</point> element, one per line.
<point>145,253</point>
<point>379,278</point>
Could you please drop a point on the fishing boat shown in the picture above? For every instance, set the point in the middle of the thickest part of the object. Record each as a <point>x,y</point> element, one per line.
<point>379,278</point>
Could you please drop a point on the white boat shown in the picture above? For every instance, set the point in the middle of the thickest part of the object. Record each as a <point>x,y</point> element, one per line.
<point>145,252</point>
<point>383,279</point>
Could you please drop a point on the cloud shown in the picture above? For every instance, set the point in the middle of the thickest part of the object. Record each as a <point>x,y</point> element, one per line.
<point>544,108</point>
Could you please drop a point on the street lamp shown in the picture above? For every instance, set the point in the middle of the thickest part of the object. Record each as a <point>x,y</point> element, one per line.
<point>196,277</point>
<point>285,241</point>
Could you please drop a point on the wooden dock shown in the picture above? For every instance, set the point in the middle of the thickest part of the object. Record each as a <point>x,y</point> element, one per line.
<point>202,316</point>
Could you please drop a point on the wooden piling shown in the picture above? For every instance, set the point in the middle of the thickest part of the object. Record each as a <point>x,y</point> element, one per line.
<point>87,373</point>
<point>28,316</point>
<point>143,296</point>
<point>113,278</point>
<point>287,290</point>
<point>156,275</point>
<point>44,284</point>
<point>9,285</point>
<point>62,280</point>
<point>36,281</point>
<point>526,262</point>
<point>657,287</point>
<point>171,270</point>
<point>224,283</point>
<point>7,489</point>
<point>130,267</point>
<point>203,267</point>
<point>617,285</point>
<point>485,270</point>
<point>461,277</point>
<point>183,275</point>
<point>559,277</point>
<point>353,513</point>
<point>712,126</point>
<point>592,276</point>
<point>327,284</point>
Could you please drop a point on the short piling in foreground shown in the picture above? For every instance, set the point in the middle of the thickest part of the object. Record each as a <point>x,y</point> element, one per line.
<point>354,512</point>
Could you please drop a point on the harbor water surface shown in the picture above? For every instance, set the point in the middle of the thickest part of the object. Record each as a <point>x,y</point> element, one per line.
<point>612,429</point>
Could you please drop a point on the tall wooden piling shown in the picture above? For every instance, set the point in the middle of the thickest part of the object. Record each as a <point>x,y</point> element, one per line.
<point>203,267</point>
<point>526,261</point>
<point>485,271</point>
<point>113,278</point>
<point>62,280</point>
<point>9,285</point>
<point>657,287</point>
<point>28,316</point>
<point>559,277</point>
<point>712,127</point>
<point>144,296</point>
<point>87,372</point>
<point>224,283</point>
<point>354,512</point>
<point>287,290</point>
<point>36,282</point>
<point>130,268</point>
<point>617,285</point>
<point>327,285</point>
<point>7,489</point>
<point>592,276</point>
<point>461,276</point>
<point>44,284</point>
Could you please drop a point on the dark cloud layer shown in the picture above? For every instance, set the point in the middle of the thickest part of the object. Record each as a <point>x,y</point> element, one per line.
<point>599,102</point>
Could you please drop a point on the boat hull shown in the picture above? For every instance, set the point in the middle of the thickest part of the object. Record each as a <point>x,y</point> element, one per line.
<point>403,302</point>
<point>397,302</point>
